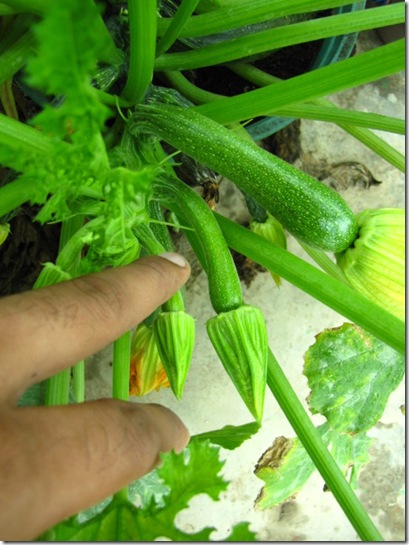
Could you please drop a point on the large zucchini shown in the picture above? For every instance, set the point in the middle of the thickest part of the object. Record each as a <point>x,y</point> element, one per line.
<point>309,210</point>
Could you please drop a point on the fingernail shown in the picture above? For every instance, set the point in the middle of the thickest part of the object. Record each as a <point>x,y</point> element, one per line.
<point>177,259</point>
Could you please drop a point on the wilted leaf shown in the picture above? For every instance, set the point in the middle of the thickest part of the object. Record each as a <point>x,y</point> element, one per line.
<point>285,467</point>
<point>351,375</point>
<point>351,454</point>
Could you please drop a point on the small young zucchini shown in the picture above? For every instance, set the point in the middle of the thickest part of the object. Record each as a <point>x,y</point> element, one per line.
<point>309,210</point>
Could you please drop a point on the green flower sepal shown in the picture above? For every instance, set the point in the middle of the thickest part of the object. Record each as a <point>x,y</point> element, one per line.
<point>4,232</point>
<point>239,337</point>
<point>175,338</point>
<point>273,231</point>
<point>375,263</point>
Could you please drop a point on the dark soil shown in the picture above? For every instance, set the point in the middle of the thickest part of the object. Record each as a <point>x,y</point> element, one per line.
<point>27,247</point>
<point>285,63</point>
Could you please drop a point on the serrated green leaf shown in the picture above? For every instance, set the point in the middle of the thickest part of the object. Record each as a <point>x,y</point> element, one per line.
<point>285,467</point>
<point>351,375</point>
<point>229,437</point>
<point>194,471</point>
<point>33,396</point>
<point>241,532</point>
<point>69,46</point>
<point>197,471</point>
<point>148,489</point>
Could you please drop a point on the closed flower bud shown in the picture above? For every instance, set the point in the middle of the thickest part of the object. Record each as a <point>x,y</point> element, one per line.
<point>175,339</point>
<point>4,231</point>
<point>375,264</point>
<point>240,340</point>
<point>273,231</point>
<point>146,372</point>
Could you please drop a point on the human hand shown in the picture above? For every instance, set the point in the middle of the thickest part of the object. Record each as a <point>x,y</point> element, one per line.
<point>56,461</point>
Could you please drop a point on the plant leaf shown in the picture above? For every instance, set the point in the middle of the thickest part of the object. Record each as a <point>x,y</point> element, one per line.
<point>351,375</point>
<point>229,437</point>
<point>285,467</point>
<point>67,57</point>
<point>351,454</point>
<point>194,471</point>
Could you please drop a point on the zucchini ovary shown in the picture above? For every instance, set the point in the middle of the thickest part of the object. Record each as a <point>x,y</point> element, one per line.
<point>308,209</point>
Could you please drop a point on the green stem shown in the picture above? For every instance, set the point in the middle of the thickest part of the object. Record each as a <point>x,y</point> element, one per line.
<point>22,138</point>
<point>13,195</point>
<point>78,381</point>
<point>158,226</point>
<point>235,14</point>
<point>364,68</point>
<point>324,288</point>
<point>333,114</point>
<point>142,24</point>
<point>283,36</point>
<point>58,386</point>
<point>188,89</point>
<point>121,367</point>
<point>67,258</point>
<point>326,264</point>
<point>12,60</point>
<point>368,138</point>
<point>57,389</point>
<point>70,229</point>
<point>154,247</point>
<point>313,444</point>
<point>378,145</point>
<point>7,99</point>
<point>185,10</point>
<point>316,110</point>
<point>120,381</point>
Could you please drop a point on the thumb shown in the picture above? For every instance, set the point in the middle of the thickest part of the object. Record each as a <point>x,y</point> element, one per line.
<point>65,459</point>
<point>49,329</point>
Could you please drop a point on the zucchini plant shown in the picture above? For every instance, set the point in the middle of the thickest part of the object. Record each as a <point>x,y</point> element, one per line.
<point>114,117</point>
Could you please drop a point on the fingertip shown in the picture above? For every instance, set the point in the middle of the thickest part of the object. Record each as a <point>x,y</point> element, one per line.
<point>174,435</point>
<point>176,259</point>
<point>174,268</point>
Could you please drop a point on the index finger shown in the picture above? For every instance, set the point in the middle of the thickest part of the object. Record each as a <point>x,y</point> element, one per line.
<point>47,330</point>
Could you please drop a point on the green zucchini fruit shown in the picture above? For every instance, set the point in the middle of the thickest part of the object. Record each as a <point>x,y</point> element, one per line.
<point>308,209</point>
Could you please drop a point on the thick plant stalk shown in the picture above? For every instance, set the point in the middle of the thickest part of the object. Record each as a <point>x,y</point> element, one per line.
<point>120,380</point>
<point>142,22</point>
<point>364,68</point>
<point>367,137</point>
<point>121,367</point>
<point>186,8</point>
<point>283,36</point>
<point>58,386</point>
<point>321,286</point>
<point>313,444</point>
<point>233,14</point>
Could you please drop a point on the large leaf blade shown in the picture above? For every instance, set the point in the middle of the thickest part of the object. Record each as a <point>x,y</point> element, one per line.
<point>351,375</point>
<point>194,471</point>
